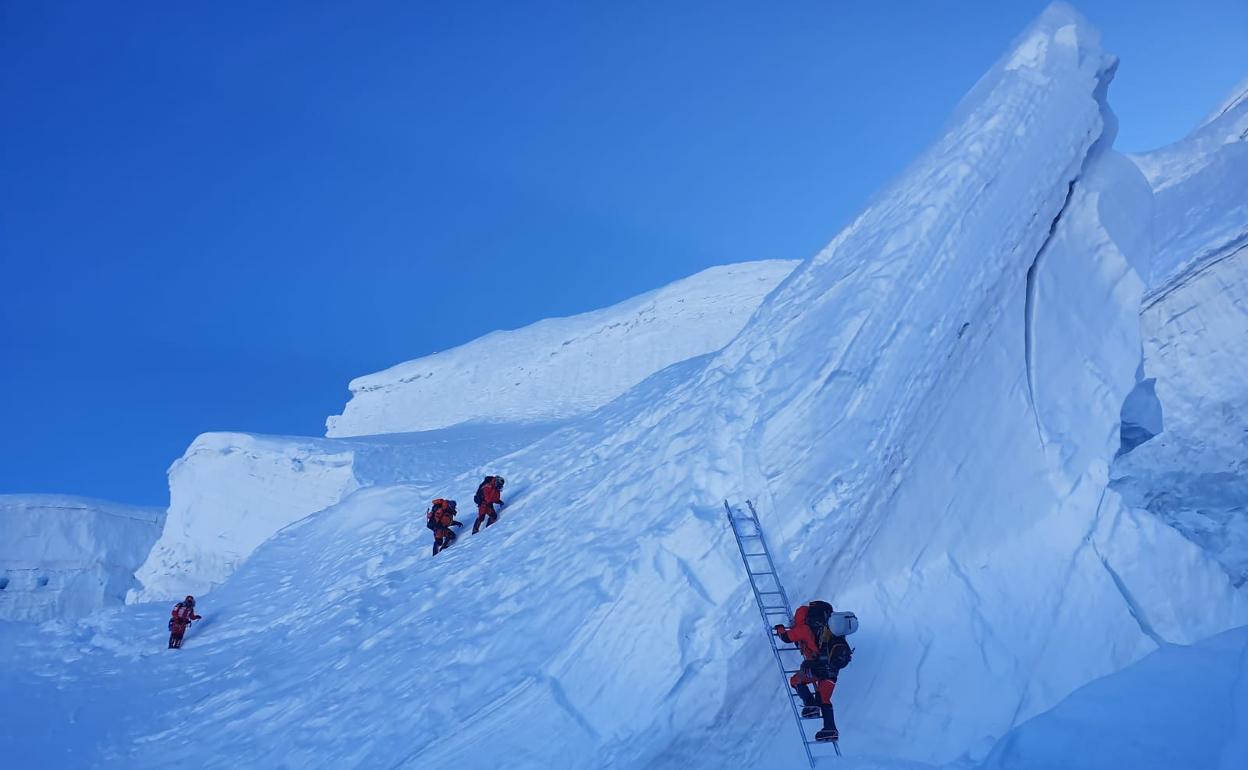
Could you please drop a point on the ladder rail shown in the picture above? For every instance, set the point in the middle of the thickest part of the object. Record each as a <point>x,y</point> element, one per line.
<point>766,611</point>
<point>767,551</point>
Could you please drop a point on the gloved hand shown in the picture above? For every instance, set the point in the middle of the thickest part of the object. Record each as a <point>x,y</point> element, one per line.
<point>457,524</point>
<point>779,629</point>
<point>501,504</point>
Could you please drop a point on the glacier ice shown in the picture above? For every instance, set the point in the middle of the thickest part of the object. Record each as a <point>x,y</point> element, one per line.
<point>63,556</point>
<point>1194,473</point>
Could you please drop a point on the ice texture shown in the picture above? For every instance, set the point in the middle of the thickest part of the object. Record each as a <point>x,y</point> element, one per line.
<point>63,556</point>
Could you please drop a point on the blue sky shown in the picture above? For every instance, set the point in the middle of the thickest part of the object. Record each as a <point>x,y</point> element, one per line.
<point>213,216</point>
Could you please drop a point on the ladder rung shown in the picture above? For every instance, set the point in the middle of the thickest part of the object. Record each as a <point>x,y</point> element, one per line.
<point>774,610</point>
<point>766,593</point>
<point>760,574</point>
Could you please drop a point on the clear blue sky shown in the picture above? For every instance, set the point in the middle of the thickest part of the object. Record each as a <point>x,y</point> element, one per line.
<point>214,215</point>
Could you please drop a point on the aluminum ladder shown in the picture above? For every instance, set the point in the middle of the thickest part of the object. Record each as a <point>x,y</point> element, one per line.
<point>773,604</point>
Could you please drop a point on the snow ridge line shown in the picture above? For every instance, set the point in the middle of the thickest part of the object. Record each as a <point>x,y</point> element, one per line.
<point>1240,96</point>
<point>1202,265</point>
<point>103,511</point>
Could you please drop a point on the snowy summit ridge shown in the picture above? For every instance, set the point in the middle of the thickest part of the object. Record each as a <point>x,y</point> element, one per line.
<point>561,367</point>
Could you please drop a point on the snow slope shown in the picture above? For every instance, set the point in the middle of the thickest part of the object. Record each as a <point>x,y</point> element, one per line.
<point>950,443</point>
<point>561,367</point>
<point>232,491</point>
<point>1180,707</point>
<point>66,556</point>
<point>1194,475</point>
<point>926,413</point>
<point>1201,192</point>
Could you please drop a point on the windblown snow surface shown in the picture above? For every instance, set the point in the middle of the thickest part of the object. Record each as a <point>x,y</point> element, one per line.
<point>232,491</point>
<point>926,414</point>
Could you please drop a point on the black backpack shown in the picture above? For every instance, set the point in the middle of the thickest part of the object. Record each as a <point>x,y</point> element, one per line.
<point>431,516</point>
<point>476,499</point>
<point>835,649</point>
<point>832,648</point>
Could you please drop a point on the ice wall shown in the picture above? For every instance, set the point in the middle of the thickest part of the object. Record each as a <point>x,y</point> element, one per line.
<point>935,402</point>
<point>561,367</point>
<point>1194,473</point>
<point>65,557</point>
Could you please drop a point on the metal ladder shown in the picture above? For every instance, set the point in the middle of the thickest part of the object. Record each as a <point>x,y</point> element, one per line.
<point>773,604</point>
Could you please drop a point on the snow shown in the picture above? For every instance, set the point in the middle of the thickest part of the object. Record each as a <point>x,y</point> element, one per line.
<point>950,443</point>
<point>64,556</point>
<point>1194,474</point>
<point>1180,707</point>
<point>1201,190</point>
<point>232,491</point>
<point>561,367</point>
<point>1237,97</point>
<point>928,414</point>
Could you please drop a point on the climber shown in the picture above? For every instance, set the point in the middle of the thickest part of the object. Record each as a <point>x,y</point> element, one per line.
<point>489,494</point>
<point>819,633</point>
<point>440,518</point>
<point>181,617</point>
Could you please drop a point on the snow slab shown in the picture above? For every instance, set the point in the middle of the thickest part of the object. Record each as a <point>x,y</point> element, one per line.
<point>561,367</point>
<point>64,556</point>
<point>1201,188</point>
